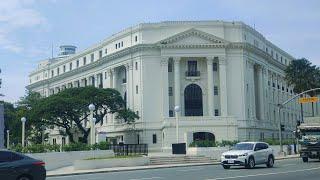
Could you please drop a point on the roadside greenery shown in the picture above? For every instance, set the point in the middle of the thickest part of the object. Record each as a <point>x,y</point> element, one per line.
<point>67,110</point>
<point>277,142</point>
<point>43,148</point>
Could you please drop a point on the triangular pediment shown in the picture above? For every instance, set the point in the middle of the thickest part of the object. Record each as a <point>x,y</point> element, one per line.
<point>192,37</point>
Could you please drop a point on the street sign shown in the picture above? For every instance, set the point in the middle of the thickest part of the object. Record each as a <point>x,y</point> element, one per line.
<point>308,100</point>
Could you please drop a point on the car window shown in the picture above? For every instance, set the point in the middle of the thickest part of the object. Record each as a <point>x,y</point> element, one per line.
<point>258,147</point>
<point>265,146</point>
<point>6,156</point>
<point>243,146</point>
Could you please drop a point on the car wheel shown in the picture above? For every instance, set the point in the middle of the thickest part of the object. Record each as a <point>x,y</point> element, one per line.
<point>24,178</point>
<point>270,162</point>
<point>251,163</point>
<point>226,167</point>
<point>305,159</point>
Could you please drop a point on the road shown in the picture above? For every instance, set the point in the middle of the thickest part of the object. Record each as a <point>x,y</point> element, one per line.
<point>290,169</point>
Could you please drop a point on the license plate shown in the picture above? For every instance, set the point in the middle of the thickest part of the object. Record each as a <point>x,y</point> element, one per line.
<point>230,161</point>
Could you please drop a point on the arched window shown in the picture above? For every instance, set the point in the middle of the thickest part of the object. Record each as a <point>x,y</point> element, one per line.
<point>193,100</point>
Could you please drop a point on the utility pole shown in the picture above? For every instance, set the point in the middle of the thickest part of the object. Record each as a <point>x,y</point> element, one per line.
<point>1,117</point>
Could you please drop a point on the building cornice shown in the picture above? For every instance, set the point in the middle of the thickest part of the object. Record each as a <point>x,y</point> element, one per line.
<point>141,47</point>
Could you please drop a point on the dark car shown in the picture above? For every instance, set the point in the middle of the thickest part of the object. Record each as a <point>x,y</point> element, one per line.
<point>16,166</point>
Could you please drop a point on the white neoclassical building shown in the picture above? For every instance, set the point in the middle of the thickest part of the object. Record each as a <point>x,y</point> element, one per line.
<point>226,77</point>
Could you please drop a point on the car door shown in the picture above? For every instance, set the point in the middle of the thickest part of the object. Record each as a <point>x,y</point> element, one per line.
<point>6,166</point>
<point>264,152</point>
<point>258,153</point>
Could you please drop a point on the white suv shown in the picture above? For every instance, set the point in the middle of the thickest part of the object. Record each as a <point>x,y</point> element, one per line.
<point>248,154</point>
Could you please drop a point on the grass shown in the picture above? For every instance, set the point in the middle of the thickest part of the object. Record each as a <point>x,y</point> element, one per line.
<point>114,157</point>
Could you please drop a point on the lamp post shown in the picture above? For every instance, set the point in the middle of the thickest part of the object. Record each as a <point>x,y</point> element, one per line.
<point>177,110</point>
<point>93,131</point>
<point>8,139</point>
<point>23,120</point>
<point>91,108</point>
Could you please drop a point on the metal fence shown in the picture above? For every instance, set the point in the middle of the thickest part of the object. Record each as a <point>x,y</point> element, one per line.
<point>130,149</point>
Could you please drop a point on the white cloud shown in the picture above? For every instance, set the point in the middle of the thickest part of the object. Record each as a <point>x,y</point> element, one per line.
<point>16,15</point>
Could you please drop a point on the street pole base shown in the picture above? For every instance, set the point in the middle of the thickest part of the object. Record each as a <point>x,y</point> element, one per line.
<point>282,153</point>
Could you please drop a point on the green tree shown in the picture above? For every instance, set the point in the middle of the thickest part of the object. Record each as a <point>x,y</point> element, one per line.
<point>302,75</point>
<point>69,109</point>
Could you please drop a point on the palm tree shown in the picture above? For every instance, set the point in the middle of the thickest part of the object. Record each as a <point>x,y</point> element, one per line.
<point>302,75</point>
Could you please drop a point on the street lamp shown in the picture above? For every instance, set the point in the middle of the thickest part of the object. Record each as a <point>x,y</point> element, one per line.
<point>177,110</point>
<point>93,131</point>
<point>91,108</point>
<point>23,120</point>
<point>8,139</point>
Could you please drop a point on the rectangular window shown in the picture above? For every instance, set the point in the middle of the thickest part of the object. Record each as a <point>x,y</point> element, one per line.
<point>116,46</point>
<point>52,73</point>
<point>215,90</point>
<point>170,113</point>
<point>105,75</point>
<point>121,43</point>
<point>154,139</point>
<point>70,66</point>
<point>136,38</point>
<point>137,90</point>
<point>92,57</point>
<point>170,67</point>
<point>136,65</point>
<point>58,71</point>
<point>170,91</point>
<point>100,54</point>
<point>84,60</point>
<point>216,112</point>
<point>215,67</point>
<point>106,51</point>
<point>64,68</point>
<point>192,66</point>
<point>78,64</point>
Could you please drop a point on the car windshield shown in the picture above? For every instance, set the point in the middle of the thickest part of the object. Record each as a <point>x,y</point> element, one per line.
<point>311,133</point>
<point>243,146</point>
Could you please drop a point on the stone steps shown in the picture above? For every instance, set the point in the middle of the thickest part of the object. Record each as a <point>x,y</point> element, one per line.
<point>180,160</point>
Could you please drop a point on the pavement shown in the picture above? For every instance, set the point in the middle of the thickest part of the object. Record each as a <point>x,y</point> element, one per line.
<point>68,171</point>
<point>285,169</point>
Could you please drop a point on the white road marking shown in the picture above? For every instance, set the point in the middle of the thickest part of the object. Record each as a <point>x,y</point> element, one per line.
<point>148,178</point>
<point>266,174</point>
<point>186,170</point>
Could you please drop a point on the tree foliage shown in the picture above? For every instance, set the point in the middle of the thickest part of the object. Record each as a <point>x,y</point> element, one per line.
<point>302,75</point>
<point>69,109</point>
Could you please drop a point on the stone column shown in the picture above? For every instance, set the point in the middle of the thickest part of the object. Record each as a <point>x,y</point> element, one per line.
<point>210,86</point>
<point>261,92</point>
<point>131,86</point>
<point>165,87</point>
<point>128,90</point>
<point>223,86</point>
<point>177,82</point>
<point>114,78</point>
<point>97,79</point>
<point>108,80</point>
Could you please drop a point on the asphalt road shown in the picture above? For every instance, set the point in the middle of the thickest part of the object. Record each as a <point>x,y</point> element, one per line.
<point>290,169</point>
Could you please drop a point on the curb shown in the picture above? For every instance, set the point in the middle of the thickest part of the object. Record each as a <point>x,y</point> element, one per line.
<point>153,167</point>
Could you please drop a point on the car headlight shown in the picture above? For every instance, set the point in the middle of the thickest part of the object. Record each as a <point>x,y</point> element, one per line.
<point>242,155</point>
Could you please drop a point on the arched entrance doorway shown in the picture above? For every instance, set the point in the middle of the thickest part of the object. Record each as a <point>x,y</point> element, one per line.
<point>193,100</point>
<point>203,136</point>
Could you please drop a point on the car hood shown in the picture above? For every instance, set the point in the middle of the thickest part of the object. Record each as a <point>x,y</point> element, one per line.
<point>236,152</point>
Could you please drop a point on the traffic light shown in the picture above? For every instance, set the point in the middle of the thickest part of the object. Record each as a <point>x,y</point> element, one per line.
<point>282,127</point>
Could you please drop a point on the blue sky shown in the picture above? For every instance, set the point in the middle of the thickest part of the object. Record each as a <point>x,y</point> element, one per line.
<point>28,28</point>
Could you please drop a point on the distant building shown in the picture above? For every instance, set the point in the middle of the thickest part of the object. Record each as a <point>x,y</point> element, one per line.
<point>226,77</point>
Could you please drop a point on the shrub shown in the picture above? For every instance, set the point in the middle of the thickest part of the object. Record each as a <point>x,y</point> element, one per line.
<point>76,147</point>
<point>101,145</point>
<point>36,148</point>
<point>205,143</point>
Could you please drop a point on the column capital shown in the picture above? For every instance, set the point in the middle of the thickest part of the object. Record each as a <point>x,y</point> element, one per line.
<point>164,61</point>
<point>176,60</point>
<point>222,60</point>
<point>209,60</point>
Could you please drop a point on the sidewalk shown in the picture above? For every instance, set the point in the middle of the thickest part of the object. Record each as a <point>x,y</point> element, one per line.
<point>67,171</point>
